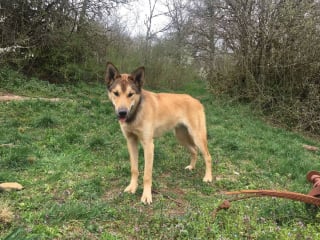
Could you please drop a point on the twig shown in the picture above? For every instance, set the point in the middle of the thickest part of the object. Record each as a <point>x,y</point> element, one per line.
<point>170,198</point>
<point>7,145</point>
<point>8,186</point>
<point>310,148</point>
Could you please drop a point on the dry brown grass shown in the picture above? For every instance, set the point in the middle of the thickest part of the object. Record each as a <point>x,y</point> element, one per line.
<point>6,214</point>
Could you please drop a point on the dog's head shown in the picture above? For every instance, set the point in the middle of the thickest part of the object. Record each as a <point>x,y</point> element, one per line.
<point>124,91</point>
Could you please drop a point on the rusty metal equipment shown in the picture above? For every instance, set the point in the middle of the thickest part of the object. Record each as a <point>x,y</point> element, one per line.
<point>313,197</point>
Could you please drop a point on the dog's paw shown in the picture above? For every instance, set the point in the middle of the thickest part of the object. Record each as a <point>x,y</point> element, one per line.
<point>131,188</point>
<point>146,198</point>
<point>207,179</point>
<point>189,167</point>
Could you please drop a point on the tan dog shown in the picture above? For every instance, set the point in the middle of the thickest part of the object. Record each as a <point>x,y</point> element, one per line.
<point>144,115</point>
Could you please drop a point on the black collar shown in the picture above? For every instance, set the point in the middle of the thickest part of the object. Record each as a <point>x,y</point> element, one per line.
<point>136,108</point>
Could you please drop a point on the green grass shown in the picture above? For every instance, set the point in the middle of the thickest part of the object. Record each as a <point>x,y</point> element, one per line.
<point>72,160</point>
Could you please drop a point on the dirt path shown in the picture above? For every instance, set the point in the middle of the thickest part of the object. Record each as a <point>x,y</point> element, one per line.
<point>11,97</point>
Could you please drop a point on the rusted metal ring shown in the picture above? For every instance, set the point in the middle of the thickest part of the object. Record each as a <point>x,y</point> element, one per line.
<point>312,176</point>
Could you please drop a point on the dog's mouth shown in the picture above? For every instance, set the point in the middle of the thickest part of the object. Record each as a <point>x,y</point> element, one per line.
<point>122,119</point>
<point>122,115</point>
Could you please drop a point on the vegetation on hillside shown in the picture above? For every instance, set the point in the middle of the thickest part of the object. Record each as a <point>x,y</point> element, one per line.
<point>70,154</point>
<point>261,52</point>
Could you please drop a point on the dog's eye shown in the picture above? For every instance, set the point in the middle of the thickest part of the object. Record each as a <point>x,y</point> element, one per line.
<point>116,94</point>
<point>130,95</point>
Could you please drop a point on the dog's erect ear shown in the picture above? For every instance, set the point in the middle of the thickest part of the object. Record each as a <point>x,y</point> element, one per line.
<point>111,74</point>
<point>138,77</point>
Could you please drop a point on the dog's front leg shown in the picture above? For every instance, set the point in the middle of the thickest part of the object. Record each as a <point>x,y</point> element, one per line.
<point>132,142</point>
<point>148,148</point>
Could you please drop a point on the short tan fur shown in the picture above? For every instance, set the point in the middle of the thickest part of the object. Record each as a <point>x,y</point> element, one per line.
<point>144,115</point>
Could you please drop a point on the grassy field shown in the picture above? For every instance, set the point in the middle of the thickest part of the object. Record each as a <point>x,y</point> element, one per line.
<point>72,160</point>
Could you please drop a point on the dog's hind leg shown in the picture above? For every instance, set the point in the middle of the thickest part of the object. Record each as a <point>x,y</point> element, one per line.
<point>183,136</point>
<point>198,133</point>
<point>202,145</point>
<point>132,142</point>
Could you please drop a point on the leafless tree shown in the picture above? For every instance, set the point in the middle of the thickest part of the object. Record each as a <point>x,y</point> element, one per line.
<point>177,30</point>
<point>261,51</point>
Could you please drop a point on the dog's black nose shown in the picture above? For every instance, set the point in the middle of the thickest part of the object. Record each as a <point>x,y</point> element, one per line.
<point>122,113</point>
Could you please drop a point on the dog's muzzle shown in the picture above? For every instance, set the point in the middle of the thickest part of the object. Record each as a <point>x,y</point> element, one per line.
<point>122,114</point>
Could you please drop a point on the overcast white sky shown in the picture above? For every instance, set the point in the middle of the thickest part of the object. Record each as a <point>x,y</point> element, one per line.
<point>136,13</point>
